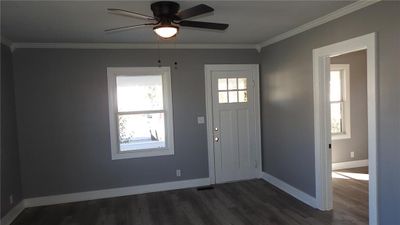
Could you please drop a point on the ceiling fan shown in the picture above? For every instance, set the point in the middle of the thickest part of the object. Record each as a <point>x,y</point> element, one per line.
<point>167,18</point>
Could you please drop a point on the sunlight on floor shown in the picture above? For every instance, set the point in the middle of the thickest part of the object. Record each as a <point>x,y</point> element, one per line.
<point>348,175</point>
<point>335,175</point>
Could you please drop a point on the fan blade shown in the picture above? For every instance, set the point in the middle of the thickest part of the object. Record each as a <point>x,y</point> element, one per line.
<point>206,25</point>
<point>123,12</point>
<point>194,11</point>
<point>127,27</point>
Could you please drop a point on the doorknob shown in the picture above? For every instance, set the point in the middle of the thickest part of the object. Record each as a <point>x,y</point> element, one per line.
<point>216,139</point>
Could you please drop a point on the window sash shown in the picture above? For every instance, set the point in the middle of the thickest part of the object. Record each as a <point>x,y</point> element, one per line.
<point>341,101</point>
<point>141,107</point>
<point>343,73</point>
<point>342,116</point>
<point>142,112</point>
<point>342,85</point>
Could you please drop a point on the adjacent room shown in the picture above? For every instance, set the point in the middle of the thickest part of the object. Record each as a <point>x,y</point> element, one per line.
<point>200,112</point>
<point>349,130</point>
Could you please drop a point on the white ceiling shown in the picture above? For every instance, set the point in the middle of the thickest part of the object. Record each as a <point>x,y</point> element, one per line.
<point>251,22</point>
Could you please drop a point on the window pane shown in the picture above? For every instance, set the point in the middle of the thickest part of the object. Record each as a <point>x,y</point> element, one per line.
<point>139,93</point>
<point>141,131</point>
<point>242,96</point>
<point>336,86</point>
<point>233,96</point>
<point>223,97</point>
<point>232,84</point>
<point>222,84</point>
<point>336,118</point>
<point>242,83</point>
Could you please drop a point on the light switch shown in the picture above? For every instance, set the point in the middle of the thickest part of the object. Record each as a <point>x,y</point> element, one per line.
<point>200,120</point>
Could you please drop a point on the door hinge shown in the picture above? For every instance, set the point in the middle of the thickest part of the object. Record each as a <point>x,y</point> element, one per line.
<point>330,146</point>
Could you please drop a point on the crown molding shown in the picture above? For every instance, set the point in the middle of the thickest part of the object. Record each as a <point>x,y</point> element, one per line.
<point>317,22</point>
<point>131,46</point>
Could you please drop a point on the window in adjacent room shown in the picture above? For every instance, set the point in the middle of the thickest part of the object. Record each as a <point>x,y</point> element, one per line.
<point>340,101</point>
<point>140,104</point>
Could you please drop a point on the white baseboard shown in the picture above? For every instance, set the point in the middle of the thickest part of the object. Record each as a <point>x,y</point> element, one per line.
<point>12,214</point>
<point>115,192</point>
<point>350,164</point>
<point>99,194</point>
<point>300,195</point>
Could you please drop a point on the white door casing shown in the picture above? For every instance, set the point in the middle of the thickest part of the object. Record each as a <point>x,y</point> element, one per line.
<point>233,128</point>
<point>322,133</point>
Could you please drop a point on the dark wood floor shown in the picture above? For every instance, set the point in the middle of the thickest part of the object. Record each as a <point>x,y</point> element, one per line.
<point>252,202</point>
<point>350,194</point>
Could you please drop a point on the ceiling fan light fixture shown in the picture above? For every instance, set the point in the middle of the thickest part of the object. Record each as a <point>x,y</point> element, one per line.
<point>166,31</point>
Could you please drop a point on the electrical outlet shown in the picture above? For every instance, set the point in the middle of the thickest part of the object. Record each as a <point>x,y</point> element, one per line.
<point>201,120</point>
<point>11,198</point>
<point>352,154</point>
<point>178,173</point>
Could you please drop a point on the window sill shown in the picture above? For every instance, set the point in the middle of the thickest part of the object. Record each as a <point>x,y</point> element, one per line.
<point>142,153</point>
<point>337,137</point>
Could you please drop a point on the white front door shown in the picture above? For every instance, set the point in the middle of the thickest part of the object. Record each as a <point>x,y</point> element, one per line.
<point>234,121</point>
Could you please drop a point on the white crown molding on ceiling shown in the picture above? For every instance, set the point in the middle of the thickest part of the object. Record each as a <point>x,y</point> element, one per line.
<point>317,22</point>
<point>131,46</point>
<point>307,26</point>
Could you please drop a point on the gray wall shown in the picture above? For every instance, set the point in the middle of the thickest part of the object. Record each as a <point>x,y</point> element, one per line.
<point>287,102</point>
<point>62,111</point>
<point>10,166</point>
<point>358,143</point>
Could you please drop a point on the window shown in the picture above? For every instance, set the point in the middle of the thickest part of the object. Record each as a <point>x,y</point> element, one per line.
<point>232,90</point>
<point>140,105</point>
<point>340,101</point>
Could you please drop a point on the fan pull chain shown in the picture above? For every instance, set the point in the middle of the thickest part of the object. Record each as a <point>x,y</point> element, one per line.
<point>176,62</point>
<point>158,51</point>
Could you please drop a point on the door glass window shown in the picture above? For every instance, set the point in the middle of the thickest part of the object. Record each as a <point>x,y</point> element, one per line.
<point>242,82</point>
<point>232,90</point>
<point>242,96</point>
<point>223,97</point>
<point>233,96</point>
<point>222,85</point>
<point>232,83</point>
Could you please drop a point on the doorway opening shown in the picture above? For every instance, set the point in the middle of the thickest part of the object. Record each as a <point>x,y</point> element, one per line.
<point>333,122</point>
<point>349,133</point>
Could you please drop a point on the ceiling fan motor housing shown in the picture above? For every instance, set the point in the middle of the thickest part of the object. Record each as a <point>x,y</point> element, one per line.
<point>165,11</point>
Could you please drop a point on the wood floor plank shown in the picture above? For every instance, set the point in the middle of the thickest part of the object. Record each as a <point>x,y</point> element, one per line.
<point>253,202</point>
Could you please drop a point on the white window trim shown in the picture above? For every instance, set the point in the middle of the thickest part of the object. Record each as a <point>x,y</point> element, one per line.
<point>112,73</point>
<point>346,99</point>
